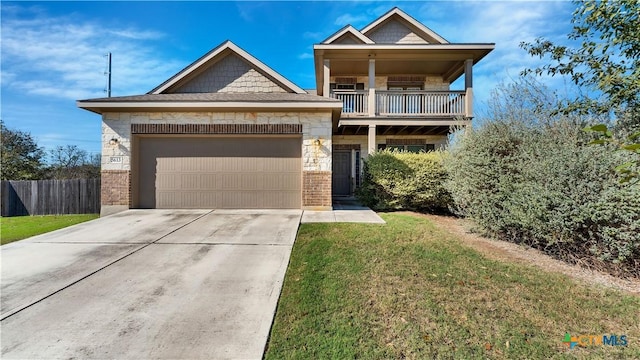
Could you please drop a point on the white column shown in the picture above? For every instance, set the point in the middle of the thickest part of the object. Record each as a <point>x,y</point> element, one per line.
<point>325,78</point>
<point>371,140</point>
<point>468,87</point>
<point>371,103</point>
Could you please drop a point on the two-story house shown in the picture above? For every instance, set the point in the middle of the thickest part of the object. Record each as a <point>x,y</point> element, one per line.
<point>230,132</point>
<point>393,77</point>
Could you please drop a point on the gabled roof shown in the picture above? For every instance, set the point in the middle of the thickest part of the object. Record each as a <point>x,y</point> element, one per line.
<point>218,53</point>
<point>424,32</point>
<point>345,31</point>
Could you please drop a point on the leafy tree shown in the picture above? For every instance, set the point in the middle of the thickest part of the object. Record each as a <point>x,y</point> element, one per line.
<point>607,58</point>
<point>630,170</point>
<point>22,158</point>
<point>71,162</point>
<point>606,61</point>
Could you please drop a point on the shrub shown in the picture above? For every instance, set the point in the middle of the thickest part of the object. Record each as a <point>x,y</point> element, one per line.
<point>405,181</point>
<point>541,184</point>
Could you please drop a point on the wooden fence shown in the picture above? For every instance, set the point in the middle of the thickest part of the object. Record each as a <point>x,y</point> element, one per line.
<point>47,197</point>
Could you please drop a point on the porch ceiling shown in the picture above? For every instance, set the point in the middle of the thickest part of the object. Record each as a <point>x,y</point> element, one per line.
<point>393,130</point>
<point>446,60</point>
<point>396,67</point>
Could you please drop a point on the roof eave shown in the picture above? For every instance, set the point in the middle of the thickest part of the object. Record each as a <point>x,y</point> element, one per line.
<point>470,46</point>
<point>347,29</point>
<point>101,107</point>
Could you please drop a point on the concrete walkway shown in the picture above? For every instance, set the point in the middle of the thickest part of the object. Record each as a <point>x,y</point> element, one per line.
<point>344,210</point>
<point>172,284</point>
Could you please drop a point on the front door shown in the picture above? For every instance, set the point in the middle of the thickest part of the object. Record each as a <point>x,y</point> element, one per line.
<point>341,178</point>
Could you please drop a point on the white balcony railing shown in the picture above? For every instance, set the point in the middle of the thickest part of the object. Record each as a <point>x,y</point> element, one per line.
<point>420,103</point>
<point>389,103</point>
<point>354,102</point>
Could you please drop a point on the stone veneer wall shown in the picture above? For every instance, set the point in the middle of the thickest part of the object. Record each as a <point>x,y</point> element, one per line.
<point>230,75</point>
<point>316,144</point>
<point>431,82</point>
<point>393,32</point>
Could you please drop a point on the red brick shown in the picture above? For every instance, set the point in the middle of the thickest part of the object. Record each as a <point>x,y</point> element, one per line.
<point>115,187</point>
<point>316,188</point>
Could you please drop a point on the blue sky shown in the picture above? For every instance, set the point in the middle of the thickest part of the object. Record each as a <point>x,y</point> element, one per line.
<point>53,53</point>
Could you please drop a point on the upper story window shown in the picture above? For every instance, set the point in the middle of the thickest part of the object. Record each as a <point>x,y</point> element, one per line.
<point>346,83</point>
<point>405,82</point>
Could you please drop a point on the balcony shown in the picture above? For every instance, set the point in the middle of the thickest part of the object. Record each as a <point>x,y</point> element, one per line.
<point>402,103</point>
<point>354,102</point>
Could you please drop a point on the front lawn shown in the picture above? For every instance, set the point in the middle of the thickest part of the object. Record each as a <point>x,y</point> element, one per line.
<point>21,227</point>
<point>409,290</point>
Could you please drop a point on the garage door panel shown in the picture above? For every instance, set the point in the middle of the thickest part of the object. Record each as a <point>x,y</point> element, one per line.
<point>216,172</point>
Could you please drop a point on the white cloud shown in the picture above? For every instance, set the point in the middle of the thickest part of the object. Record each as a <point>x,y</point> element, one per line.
<point>317,36</point>
<point>305,56</point>
<point>249,10</point>
<point>137,34</point>
<point>507,24</point>
<point>65,57</point>
<point>347,19</point>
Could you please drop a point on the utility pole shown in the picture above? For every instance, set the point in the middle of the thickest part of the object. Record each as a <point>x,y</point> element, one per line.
<point>108,75</point>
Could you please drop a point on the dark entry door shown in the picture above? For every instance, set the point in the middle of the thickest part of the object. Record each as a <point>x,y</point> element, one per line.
<point>341,179</point>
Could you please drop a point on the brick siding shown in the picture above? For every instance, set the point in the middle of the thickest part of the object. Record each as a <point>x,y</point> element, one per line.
<point>216,128</point>
<point>116,187</point>
<point>316,188</point>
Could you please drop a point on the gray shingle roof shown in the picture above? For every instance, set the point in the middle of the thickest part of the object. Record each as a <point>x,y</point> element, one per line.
<point>217,97</point>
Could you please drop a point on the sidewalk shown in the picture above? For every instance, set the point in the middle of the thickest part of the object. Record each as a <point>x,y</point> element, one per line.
<point>344,210</point>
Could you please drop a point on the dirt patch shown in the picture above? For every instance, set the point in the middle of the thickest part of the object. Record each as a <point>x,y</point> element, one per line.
<point>502,250</point>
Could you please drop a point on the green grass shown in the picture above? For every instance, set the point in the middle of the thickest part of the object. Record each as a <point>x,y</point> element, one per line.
<point>409,290</point>
<point>22,227</point>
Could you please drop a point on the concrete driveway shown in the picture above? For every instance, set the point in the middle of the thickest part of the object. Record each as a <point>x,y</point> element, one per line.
<point>179,284</point>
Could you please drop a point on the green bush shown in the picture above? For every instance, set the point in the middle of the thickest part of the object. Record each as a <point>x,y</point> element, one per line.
<point>405,181</point>
<point>541,184</point>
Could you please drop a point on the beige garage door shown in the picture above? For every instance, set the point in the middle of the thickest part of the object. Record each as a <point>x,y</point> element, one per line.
<point>218,173</point>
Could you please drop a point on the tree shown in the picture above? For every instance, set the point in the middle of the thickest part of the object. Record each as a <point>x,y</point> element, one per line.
<point>607,59</point>
<point>22,158</point>
<point>630,170</point>
<point>71,162</point>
